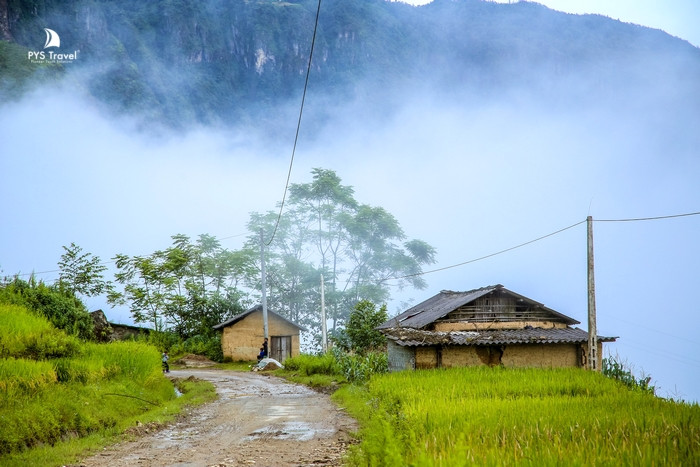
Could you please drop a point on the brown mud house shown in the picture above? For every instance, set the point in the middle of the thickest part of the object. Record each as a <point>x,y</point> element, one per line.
<point>487,326</point>
<point>242,336</point>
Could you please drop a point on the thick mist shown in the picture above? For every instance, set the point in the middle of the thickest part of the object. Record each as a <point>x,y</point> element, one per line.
<point>472,174</point>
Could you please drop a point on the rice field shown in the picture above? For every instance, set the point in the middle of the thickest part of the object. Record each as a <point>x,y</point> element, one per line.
<point>499,416</point>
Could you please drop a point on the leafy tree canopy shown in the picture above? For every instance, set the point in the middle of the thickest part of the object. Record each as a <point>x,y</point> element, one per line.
<point>82,273</point>
<point>188,287</point>
<point>358,248</point>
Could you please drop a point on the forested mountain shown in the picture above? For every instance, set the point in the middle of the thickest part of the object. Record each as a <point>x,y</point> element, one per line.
<point>236,62</point>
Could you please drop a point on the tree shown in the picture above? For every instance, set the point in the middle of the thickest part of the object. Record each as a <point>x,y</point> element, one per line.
<point>363,336</point>
<point>82,272</point>
<point>357,247</point>
<point>187,288</point>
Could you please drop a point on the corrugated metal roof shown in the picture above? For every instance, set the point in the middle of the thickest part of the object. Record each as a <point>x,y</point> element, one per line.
<point>240,316</point>
<point>416,337</point>
<point>435,308</point>
<point>438,306</point>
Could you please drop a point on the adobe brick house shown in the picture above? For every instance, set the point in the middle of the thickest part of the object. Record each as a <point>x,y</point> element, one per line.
<point>242,336</point>
<point>487,326</point>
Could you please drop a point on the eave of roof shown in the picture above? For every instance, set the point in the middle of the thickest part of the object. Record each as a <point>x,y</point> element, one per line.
<point>240,316</point>
<point>409,337</point>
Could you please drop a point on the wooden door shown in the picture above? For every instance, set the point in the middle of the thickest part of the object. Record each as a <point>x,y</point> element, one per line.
<point>280,347</point>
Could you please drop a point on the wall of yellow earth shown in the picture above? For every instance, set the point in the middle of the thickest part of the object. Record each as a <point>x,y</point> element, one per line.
<point>460,356</point>
<point>242,340</point>
<point>426,357</point>
<point>541,355</point>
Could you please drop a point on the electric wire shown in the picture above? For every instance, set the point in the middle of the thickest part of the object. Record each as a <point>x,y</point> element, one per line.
<point>653,330</point>
<point>637,219</point>
<point>660,352</point>
<point>486,256</point>
<point>301,111</point>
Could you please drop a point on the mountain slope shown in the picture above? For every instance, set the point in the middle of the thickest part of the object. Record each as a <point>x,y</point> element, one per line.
<point>183,62</point>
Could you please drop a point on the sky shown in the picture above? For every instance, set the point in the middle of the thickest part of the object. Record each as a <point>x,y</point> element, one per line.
<point>680,18</point>
<point>470,180</point>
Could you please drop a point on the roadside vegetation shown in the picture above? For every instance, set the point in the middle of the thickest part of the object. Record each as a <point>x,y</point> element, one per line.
<point>62,395</point>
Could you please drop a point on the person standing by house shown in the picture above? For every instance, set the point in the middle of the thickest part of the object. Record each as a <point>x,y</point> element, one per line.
<point>264,348</point>
<point>164,359</point>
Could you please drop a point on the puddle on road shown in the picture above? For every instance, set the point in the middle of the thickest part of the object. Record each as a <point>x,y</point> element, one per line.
<point>299,431</point>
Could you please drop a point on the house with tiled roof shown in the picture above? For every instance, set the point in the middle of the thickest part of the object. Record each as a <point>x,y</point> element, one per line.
<point>243,334</point>
<point>487,326</point>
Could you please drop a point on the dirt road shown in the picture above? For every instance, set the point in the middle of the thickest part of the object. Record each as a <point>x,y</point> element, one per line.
<point>257,420</point>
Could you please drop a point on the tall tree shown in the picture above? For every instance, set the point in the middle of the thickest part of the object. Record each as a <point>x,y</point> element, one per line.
<point>357,247</point>
<point>82,273</point>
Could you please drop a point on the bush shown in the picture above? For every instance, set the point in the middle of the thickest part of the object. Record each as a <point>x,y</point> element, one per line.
<point>325,364</point>
<point>61,307</point>
<point>362,335</point>
<point>209,346</point>
<point>359,368</point>
<point>615,368</point>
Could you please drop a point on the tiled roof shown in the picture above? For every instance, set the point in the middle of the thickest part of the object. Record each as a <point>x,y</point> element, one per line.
<point>435,308</point>
<point>446,301</point>
<point>240,316</point>
<point>409,337</point>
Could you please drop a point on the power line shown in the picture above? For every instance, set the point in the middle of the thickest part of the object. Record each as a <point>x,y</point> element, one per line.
<point>301,111</point>
<point>487,256</point>
<point>637,219</point>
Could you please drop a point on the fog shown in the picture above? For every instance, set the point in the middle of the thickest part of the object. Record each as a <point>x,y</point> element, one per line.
<point>470,177</point>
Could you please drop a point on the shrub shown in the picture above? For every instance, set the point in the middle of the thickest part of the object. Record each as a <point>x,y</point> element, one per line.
<point>362,336</point>
<point>615,368</point>
<point>359,368</point>
<point>325,364</point>
<point>60,307</point>
<point>209,346</point>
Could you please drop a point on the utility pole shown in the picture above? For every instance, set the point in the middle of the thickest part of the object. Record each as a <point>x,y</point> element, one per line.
<point>592,331</point>
<point>324,338</point>
<point>264,286</point>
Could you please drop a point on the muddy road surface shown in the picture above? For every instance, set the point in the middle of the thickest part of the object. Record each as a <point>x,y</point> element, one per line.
<point>257,420</point>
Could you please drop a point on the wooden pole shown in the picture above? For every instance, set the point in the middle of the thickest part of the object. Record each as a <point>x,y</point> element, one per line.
<point>264,285</point>
<point>592,328</point>
<point>324,331</point>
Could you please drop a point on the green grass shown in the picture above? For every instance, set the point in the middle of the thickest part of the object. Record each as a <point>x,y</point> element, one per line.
<point>316,371</point>
<point>26,335</point>
<point>495,416</point>
<point>60,396</point>
<point>73,448</point>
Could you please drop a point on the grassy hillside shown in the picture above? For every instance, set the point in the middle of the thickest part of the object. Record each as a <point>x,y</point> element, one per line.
<point>495,416</point>
<point>57,390</point>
